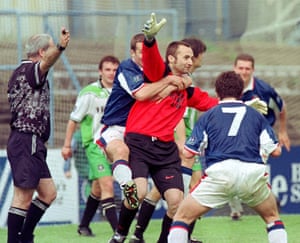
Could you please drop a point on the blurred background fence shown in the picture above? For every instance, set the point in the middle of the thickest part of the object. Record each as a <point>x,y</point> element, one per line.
<point>267,29</point>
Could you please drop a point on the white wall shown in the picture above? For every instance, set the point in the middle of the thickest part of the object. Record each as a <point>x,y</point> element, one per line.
<point>65,209</point>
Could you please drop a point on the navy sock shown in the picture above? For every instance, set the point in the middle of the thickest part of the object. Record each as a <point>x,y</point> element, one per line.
<point>166,224</point>
<point>91,207</point>
<point>145,214</point>
<point>125,219</point>
<point>15,221</point>
<point>35,212</point>
<point>110,212</point>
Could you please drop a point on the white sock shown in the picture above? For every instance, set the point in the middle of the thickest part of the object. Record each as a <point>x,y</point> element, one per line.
<point>277,232</point>
<point>186,175</point>
<point>122,174</point>
<point>235,205</point>
<point>178,233</point>
<point>277,236</point>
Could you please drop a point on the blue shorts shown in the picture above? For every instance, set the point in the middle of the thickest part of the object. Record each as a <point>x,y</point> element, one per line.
<point>160,160</point>
<point>27,157</point>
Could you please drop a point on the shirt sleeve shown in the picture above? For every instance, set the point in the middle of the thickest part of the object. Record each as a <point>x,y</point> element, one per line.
<point>268,142</point>
<point>200,100</point>
<point>153,64</point>
<point>81,108</point>
<point>276,102</point>
<point>198,140</point>
<point>34,78</point>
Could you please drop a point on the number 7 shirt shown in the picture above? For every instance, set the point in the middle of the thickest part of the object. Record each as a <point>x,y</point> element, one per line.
<point>232,130</point>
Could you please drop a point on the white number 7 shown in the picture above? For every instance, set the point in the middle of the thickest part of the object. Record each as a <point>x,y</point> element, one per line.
<point>237,119</point>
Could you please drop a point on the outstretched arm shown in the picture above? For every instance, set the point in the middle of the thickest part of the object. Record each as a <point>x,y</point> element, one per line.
<point>162,88</point>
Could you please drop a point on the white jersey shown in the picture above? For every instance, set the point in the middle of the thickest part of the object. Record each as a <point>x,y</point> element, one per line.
<point>89,109</point>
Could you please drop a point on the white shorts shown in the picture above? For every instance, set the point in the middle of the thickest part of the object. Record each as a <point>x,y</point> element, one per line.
<point>230,178</point>
<point>111,133</point>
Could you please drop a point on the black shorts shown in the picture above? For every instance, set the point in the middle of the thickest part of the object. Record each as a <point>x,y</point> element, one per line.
<point>27,157</point>
<point>160,160</point>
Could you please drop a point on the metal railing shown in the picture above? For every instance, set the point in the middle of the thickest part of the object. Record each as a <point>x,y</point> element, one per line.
<point>20,17</point>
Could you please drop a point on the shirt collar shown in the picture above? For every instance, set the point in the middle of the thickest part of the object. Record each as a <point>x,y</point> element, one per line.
<point>230,101</point>
<point>250,86</point>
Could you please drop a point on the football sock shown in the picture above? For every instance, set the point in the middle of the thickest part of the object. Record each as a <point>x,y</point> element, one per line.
<point>36,210</point>
<point>186,175</point>
<point>109,210</point>
<point>91,207</point>
<point>166,224</point>
<point>125,219</point>
<point>235,205</point>
<point>15,220</point>
<point>178,232</point>
<point>146,210</point>
<point>121,172</point>
<point>276,232</point>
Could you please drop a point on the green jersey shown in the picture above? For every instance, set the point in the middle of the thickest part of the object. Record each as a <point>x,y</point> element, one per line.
<point>89,109</point>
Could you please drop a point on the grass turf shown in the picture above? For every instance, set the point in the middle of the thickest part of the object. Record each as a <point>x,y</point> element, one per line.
<point>209,229</point>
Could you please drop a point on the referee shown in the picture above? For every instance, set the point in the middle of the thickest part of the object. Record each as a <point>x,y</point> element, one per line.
<point>29,99</point>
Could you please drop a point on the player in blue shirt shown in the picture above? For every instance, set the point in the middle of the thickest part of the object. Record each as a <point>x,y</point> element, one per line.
<point>254,87</point>
<point>236,141</point>
<point>244,65</point>
<point>129,86</point>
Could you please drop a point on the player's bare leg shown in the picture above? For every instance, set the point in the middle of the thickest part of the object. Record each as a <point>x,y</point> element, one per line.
<point>188,211</point>
<point>269,212</point>
<point>118,152</point>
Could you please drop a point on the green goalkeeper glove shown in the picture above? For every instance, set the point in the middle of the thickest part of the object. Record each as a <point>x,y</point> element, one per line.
<point>258,105</point>
<point>151,27</point>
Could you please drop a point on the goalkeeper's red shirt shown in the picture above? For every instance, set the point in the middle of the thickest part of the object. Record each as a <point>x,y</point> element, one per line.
<point>160,119</point>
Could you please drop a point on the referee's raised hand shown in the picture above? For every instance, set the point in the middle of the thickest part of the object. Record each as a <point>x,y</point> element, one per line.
<point>64,38</point>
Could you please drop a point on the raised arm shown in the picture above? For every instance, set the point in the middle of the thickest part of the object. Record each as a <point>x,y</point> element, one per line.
<point>50,56</point>
<point>153,64</point>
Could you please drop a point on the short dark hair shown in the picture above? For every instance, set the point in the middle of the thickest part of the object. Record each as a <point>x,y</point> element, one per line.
<point>229,84</point>
<point>196,44</point>
<point>245,57</point>
<point>173,47</point>
<point>136,39</point>
<point>108,58</point>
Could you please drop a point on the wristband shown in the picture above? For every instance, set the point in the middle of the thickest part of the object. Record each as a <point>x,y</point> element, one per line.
<point>60,48</point>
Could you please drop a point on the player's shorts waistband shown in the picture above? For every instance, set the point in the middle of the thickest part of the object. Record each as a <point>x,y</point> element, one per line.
<point>147,137</point>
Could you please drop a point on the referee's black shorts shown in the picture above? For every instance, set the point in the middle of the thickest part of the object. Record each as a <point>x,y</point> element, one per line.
<point>149,156</point>
<point>27,157</point>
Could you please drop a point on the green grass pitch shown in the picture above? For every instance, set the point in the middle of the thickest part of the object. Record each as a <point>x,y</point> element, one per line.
<point>212,229</point>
